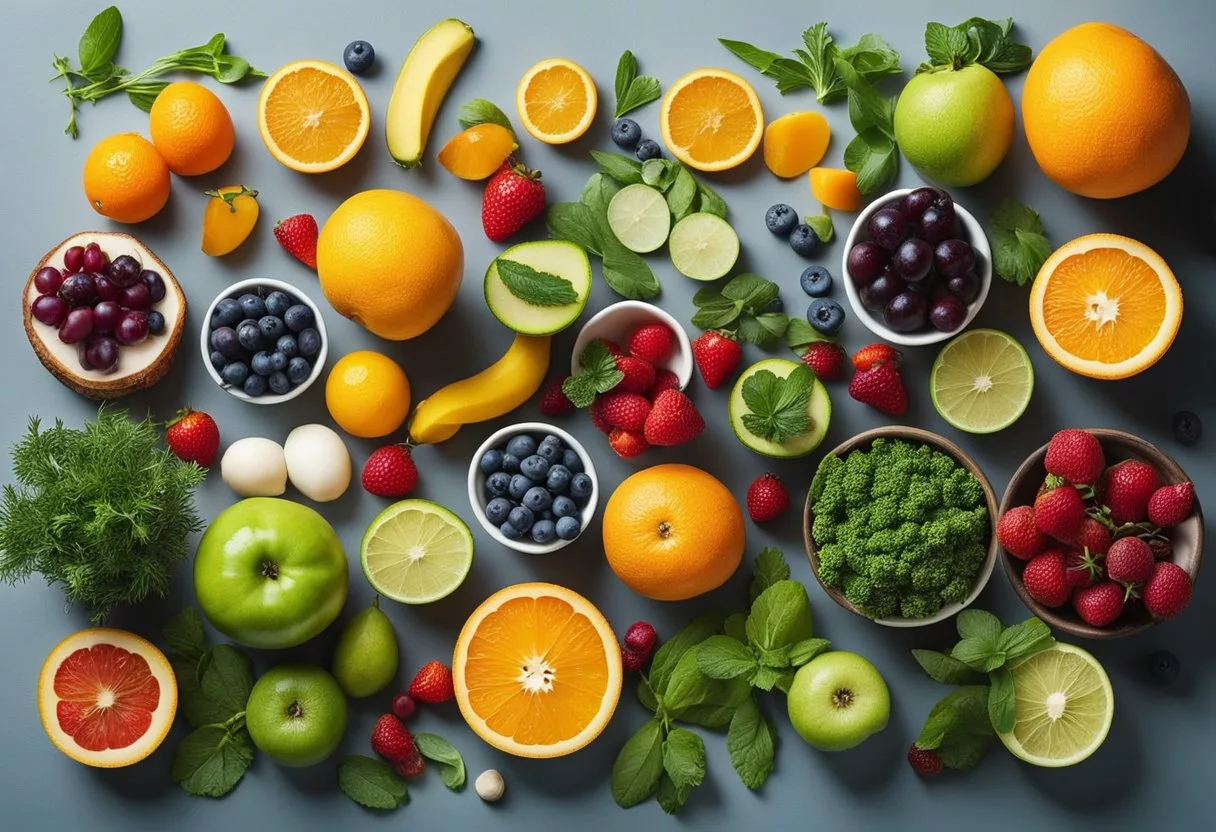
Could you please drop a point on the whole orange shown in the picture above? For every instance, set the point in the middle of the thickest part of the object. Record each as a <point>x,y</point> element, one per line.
<point>191,128</point>
<point>125,179</point>
<point>673,532</point>
<point>1105,115</point>
<point>368,394</point>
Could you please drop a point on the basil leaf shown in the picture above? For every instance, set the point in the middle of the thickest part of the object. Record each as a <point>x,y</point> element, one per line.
<point>646,695</point>
<point>973,623</point>
<point>660,173</point>
<point>99,43</point>
<point>230,68</point>
<point>226,677</point>
<point>681,194</point>
<point>770,568</point>
<point>480,111</point>
<point>710,202</point>
<point>185,637</point>
<point>721,657</point>
<point>438,750</point>
<point>210,761</point>
<point>944,668</point>
<point>638,766</point>
<point>803,651</point>
<point>642,91</point>
<point>694,697</point>
<point>144,96</point>
<point>684,758</point>
<point>624,170</point>
<point>873,157</point>
<point>627,274</point>
<point>750,743</point>
<point>1001,701</point>
<point>597,193</point>
<point>671,651</point>
<point>780,616</point>
<point>535,288</point>
<point>572,221</point>
<point>371,783</point>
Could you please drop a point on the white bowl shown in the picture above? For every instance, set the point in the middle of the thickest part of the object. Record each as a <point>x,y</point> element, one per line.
<point>972,232</point>
<point>477,484</point>
<point>618,321</point>
<point>265,285</point>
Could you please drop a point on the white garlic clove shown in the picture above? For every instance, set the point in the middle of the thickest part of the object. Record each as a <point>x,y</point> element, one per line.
<point>489,785</point>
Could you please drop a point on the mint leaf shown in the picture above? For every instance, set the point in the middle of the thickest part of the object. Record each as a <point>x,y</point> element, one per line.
<point>735,626</point>
<point>210,761</point>
<point>480,111</point>
<point>573,222</point>
<point>973,623</point>
<point>371,783</point>
<point>671,797</point>
<point>946,44</point>
<point>764,329</point>
<point>821,224</point>
<point>872,57</point>
<point>185,637</point>
<point>1021,641</point>
<point>620,168</point>
<point>438,750</point>
<point>819,58</point>
<point>719,314</point>
<point>721,657</point>
<point>671,651</point>
<point>193,704</point>
<point>766,678</point>
<point>944,668</point>
<point>684,758</point>
<point>1001,702</point>
<point>803,651</point>
<point>535,288</point>
<point>770,568</point>
<point>1019,244</point>
<point>598,374</point>
<point>780,617</point>
<point>751,290</point>
<point>226,678</point>
<point>801,335</point>
<point>778,407</point>
<point>974,652</point>
<point>874,157</point>
<point>694,697</point>
<point>633,90</point>
<point>626,71</point>
<point>99,43</point>
<point>627,274</point>
<point>789,74</point>
<point>958,727</point>
<point>974,41</point>
<point>709,202</point>
<point>638,766</point>
<point>750,743</point>
<point>681,195</point>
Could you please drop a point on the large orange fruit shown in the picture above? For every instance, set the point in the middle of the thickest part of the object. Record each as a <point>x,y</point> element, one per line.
<point>1105,115</point>
<point>125,179</point>
<point>537,670</point>
<point>313,116</point>
<point>672,532</point>
<point>191,128</point>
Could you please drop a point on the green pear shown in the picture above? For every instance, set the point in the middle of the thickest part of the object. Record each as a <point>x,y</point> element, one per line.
<point>365,660</point>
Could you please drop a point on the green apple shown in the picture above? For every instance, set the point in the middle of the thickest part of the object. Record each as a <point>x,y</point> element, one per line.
<point>270,573</point>
<point>296,714</point>
<point>837,700</point>
<point>954,125</point>
<point>365,660</point>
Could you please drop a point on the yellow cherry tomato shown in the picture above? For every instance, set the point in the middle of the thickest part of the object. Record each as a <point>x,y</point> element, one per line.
<point>229,219</point>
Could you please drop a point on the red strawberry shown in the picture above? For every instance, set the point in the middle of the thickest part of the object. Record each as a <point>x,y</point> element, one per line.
<point>624,410</point>
<point>867,357</point>
<point>513,197</point>
<point>1060,510</point>
<point>403,706</point>
<point>432,684</point>
<point>633,660</point>
<point>663,380</point>
<point>1084,568</point>
<point>673,420</point>
<point>826,359</point>
<point>1076,455</point>
<point>1018,534</point>
<point>411,768</point>
<point>390,472</point>
<point>553,401</point>
<point>1127,487</point>
<point>639,376</point>
<point>1129,561</point>
<point>1171,504</point>
<point>193,436</point>
<point>642,637</point>
<point>627,443</point>
<point>1093,536</point>
<point>1168,590</point>
<point>612,346</point>
<point>1046,579</point>
<point>882,388</point>
<point>652,342</point>
<point>1162,549</point>
<point>298,236</point>
<point>391,739</point>
<point>767,498</point>
<point>717,356</point>
<point>1100,604</point>
<point>924,761</point>
<point>597,416</point>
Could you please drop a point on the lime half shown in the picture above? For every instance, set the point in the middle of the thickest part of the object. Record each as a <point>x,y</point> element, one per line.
<point>416,552</point>
<point>703,246</point>
<point>1064,707</point>
<point>981,381</point>
<point>639,217</point>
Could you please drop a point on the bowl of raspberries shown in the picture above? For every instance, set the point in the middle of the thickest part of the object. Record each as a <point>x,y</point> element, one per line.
<point>1102,533</point>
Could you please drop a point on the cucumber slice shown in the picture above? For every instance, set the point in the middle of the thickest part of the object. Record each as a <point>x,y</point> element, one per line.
<point>819,409</point>
<point>554,257</point>
<point>639,217</point>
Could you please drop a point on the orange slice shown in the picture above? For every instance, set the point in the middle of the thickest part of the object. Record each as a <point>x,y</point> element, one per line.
<point>537,671</point>
<point>556,101</point>
<point>476,153</point>
<point>1105,306</point>
<point>313,116</point>
<point>711,120</point>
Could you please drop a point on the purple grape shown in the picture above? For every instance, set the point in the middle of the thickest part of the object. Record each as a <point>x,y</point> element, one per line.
<point>952,257</point>
<point>48,280</point>
<point>82,355</point>
<point>947,313</point>
<point>49,309</point>
<point>887,227</point>
<point>102,353</point>
<point>937,224</point>
<point>124,271</point>
<point>77,326</point>
<point>915,203</point>
<point>73,259</point>
<point>913,260</point>
<point>132,327</point>
<point>865,262</point>
<point>965,287</point>
<point>906,312</point>
<point>105,288</point>
<point>155,284</point>
<point>78,290</point>
<point>137,296</point>
<point>106,316</point>
<point>875,296</point>
<point>94,259</point>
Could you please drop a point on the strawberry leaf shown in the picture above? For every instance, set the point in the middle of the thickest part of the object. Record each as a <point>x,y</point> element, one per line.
<point>778,406</point>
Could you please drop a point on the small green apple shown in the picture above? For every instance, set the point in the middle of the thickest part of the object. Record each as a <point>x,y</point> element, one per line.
<point>296,714</point>
<point>837,700</point>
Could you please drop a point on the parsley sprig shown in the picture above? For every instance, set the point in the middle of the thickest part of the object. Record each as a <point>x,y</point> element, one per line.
<point>778,407</point>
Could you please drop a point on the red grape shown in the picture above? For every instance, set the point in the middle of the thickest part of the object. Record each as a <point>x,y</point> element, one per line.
<point>887,227</point>
<point>906,312</point>
<point>102,353</point>
<point>132,327</point>
<point>947,313</point>
<point>953,257</point>
<point>49,310</point>
<point>965,287</point>
<point>137,296</point>
<point>915,203</point>
<point>875,296</point>
<point>155,284</point>
<point>866,261</point>
<point>106,316</point>
<point>124,271</point>
<point>73,259</point>
<point>77,326</point>
<point>94,259</point>
<point>105,288</point>
<point>913,260</point>
<point>937,224</point>
<point>78,290</point>
<point>48,280</point>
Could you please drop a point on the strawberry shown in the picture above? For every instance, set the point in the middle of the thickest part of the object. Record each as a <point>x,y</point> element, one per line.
<point>391,740</point>
<point>1127,487</point>
<point>663,380</point>
<point>193,436</point>
<point>1129,561</point>
<point>1060,510</point>
<point>1168,590</point>
<point>403,706</point>
<point>432,684</point>
<point>673,420</point>
<point>1171,504</point>
<point>641,637</point>
<point>624,410</point>
<point>925,761</point>
<point>767,498</point>
<point>1046,579</point>
<point>513,197</point>
<point>717,356</point>
<point>881,387</point>
<point>597,417</point>
<point>867,357</point>
<point>826,359</point>
<point>612,346</point>
<point>390,472</point>
<point>1018,534</point>
<point>633,661</point>
<point>1076,455</point>
<point>298,237</point>
<point>553,401</point>
<point>1162,549</point>
<point>1084,568</point>
<point>627,443</point>
<point>1093,537</point>
<point>411,768</point>
<point>652,342</point>
<point>639,376</point>
<point>1100,604</point>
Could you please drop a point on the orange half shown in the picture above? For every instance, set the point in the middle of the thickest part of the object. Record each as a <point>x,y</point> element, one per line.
<point>711,120</point>
<point>556,100</point>
<point>537,671</point>
<point>1105,306</point>
<point>313,116</point>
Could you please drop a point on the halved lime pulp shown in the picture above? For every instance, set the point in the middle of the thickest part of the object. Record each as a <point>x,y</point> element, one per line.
<point>1064,707</point>
<point>981,381</point>
<point>639,217</point>
<point>703,246</point>
<point>416,552</point>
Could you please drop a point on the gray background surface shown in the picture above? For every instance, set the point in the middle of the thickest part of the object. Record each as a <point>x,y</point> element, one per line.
<point>1154,770</point>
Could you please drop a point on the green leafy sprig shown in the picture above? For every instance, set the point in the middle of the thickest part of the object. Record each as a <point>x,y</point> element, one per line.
<point>974,41</point>
<point>1019,243</point>
<point>372,783</point>
<point>534,287</point>
<point>480,111</point>
<point>741,308</point>
<point>872,154</point>
<point>633,90</point>
<point>777,407</point>
<point>597,374</point>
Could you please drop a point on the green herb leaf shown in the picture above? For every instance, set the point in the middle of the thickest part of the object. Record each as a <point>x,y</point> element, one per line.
<point>197,708</point>
<point>872,154</point>
<point>226,678</point>
<point>766,678</point>
<point>210,761</point>
<point>820,60</point>
<point>1001,707</point>
<point>780,617</point>
<point>763,330</point>
<point>535,288</point>
<point>778,406</point>
<point>800,335</point>
<point>872,57</point>
<point>684,758</point>
<point>803,651</point>
<point>944,668</point>
<point>624,170</point>
<point>709,202</point>
<point>647,696</point>
<point>627,274</point>
<point>1019,244</point>
<point>671,651</point>
<point>598,375</point>
<point>821,224</point>
<point>789,74</point>
<point>994,661</point>
<point>633,90</point>
<point>958,727</point>
<point>973,623</point>
<point>480,111</point>
<point>720,314</point>
<point>145,95</point>
<point>638,766</point>
<point>185,637</point>
<point>694,697</point>
<point>573,222</point>
<point>735,626</point>
<point>750,743</point>
<point>975,652</point>
<point>752,290</point>
<point>770,568</point>
<point>946,44</point>
<point>682,193</point>
<point>660,173</point>
<point>99,43</point>
<point>721,657</point>
<point>671,798</point>
<point>1021,641</point>
<point>371,783</point>
<point>974,41</point>
<point>438,750</point>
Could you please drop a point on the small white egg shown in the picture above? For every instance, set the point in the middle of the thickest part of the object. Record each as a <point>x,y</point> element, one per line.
<point>255,467</point>
<point>318,463</point>
<point>489,785</point>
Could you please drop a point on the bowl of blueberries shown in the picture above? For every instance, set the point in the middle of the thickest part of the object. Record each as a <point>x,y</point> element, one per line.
<point>264,341</point>
<point>533,487</point>
<point>917,266</point>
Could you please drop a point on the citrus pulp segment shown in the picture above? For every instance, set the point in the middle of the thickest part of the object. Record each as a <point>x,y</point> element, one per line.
<point>711,120</point>
<point>313,116</point>
<point>981,381</point>
<point>703,246</point>
<point>416,552</point>
<point>557,100</point>
<point>639,217</point>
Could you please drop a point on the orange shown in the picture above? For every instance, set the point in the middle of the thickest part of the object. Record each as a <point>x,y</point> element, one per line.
<point>229,218</point>
<point>537,671</point>
<point>367,394</point>
<point>390,262</point>
<point>711,119</point>
<point>556,100</point>
<point>1105,306</point>
<point>477,152</point>
<point>125,179</point>
<point>191,128</point>
<point>107,698</point>
<point>795,143</point>
<point>836,188</point>
<point>1105,115</point>
<point>673,532</point>
<point>313,116</point>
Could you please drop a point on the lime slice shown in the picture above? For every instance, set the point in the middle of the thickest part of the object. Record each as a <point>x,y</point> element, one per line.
<point>639,217</point>
<point>1064,707</point>
<point>981,381</point>
<point>416,552</point>
<point>703,246</point>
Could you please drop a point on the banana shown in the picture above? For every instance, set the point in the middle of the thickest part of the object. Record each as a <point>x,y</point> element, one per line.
<point>500,388</point>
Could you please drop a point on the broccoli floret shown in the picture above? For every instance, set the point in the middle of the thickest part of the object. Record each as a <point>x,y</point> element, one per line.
<point>832,565</point>
<point>942,467</point>
<point>919,605</point>
<point>884,514</point>
<point>957,590</point>
<point>829,463</point>
<point>883,606</point>
<point>881,542</point>
<point>934,573</point>
<point>859,589</point>
<point>884,570</point>
<point>824,529</point>
<point>935,534</point>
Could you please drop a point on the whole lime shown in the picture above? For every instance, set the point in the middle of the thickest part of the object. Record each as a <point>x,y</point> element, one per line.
<point>955,126</point>
<point>296,714</point>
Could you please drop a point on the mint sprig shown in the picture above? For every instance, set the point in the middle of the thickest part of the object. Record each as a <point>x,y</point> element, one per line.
<point>778,406</point>
<point>872,154</point>
<point>1019,243</point>
<point>974,41</point>
<point>738,308</point>
<point>533,287</point>
<point>633,90</point>
<point>371,783</point>
<point>441,752</point>
<point>597,374</point>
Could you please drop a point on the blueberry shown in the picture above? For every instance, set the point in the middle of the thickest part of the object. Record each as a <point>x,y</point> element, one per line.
<point>497,510</point>
<point>519,486</point>
<point>510,463</point>
<point>563,506</point>
<point>235,373</point>
<point>218,359</point>
<point>261,363</point>
<point>490,461</point>
<point>551,451</point>
<point>272,328</point>
<point>648,149</point>
<point>543,531</point>
<point>567,527</point>
<point>287,345</point>
<point>1187,427</point>
<point>1163,667</point>
<point>521,446</point>
<point>825,315</point>
<point>804,240</point>
<point>535,467</point>
<point>299,318</point>
<point>521,517</point>
<point>298,370</point>
<point>250,337</point>
<point>498,483</point>
<point>358,56</point>
<point>509,532</point>
<point>225,341</point>
<point>538,499</point>
<point>626,134</point>
<point>279,382</point>
<point>252,306</point>
<point>580,486</point>
<point>277,303</point>
<point>255,385</point>
<point>227,313</point>
<point>816,281</point>
<point>572,460</point>
<point>309,341</point>
<point>156,322</point>
<point>547,514</point>
<point>558,479</point>
<point>781,219</point>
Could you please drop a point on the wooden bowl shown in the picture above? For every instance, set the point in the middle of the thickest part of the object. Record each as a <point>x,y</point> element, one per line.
<point>1187,537</point>
<point>863,441</point>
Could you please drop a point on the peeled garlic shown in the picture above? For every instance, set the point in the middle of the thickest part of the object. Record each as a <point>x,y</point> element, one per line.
<point>489,785</point>
<point>255,467</point>
<point>318,463</point>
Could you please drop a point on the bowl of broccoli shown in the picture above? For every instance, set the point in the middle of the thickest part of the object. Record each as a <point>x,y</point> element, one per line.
<point>900,527</point>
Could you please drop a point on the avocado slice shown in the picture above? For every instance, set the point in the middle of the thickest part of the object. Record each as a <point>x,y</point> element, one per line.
<point>551,257</point>
<point>427,73</point>
<point>819,410</point>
